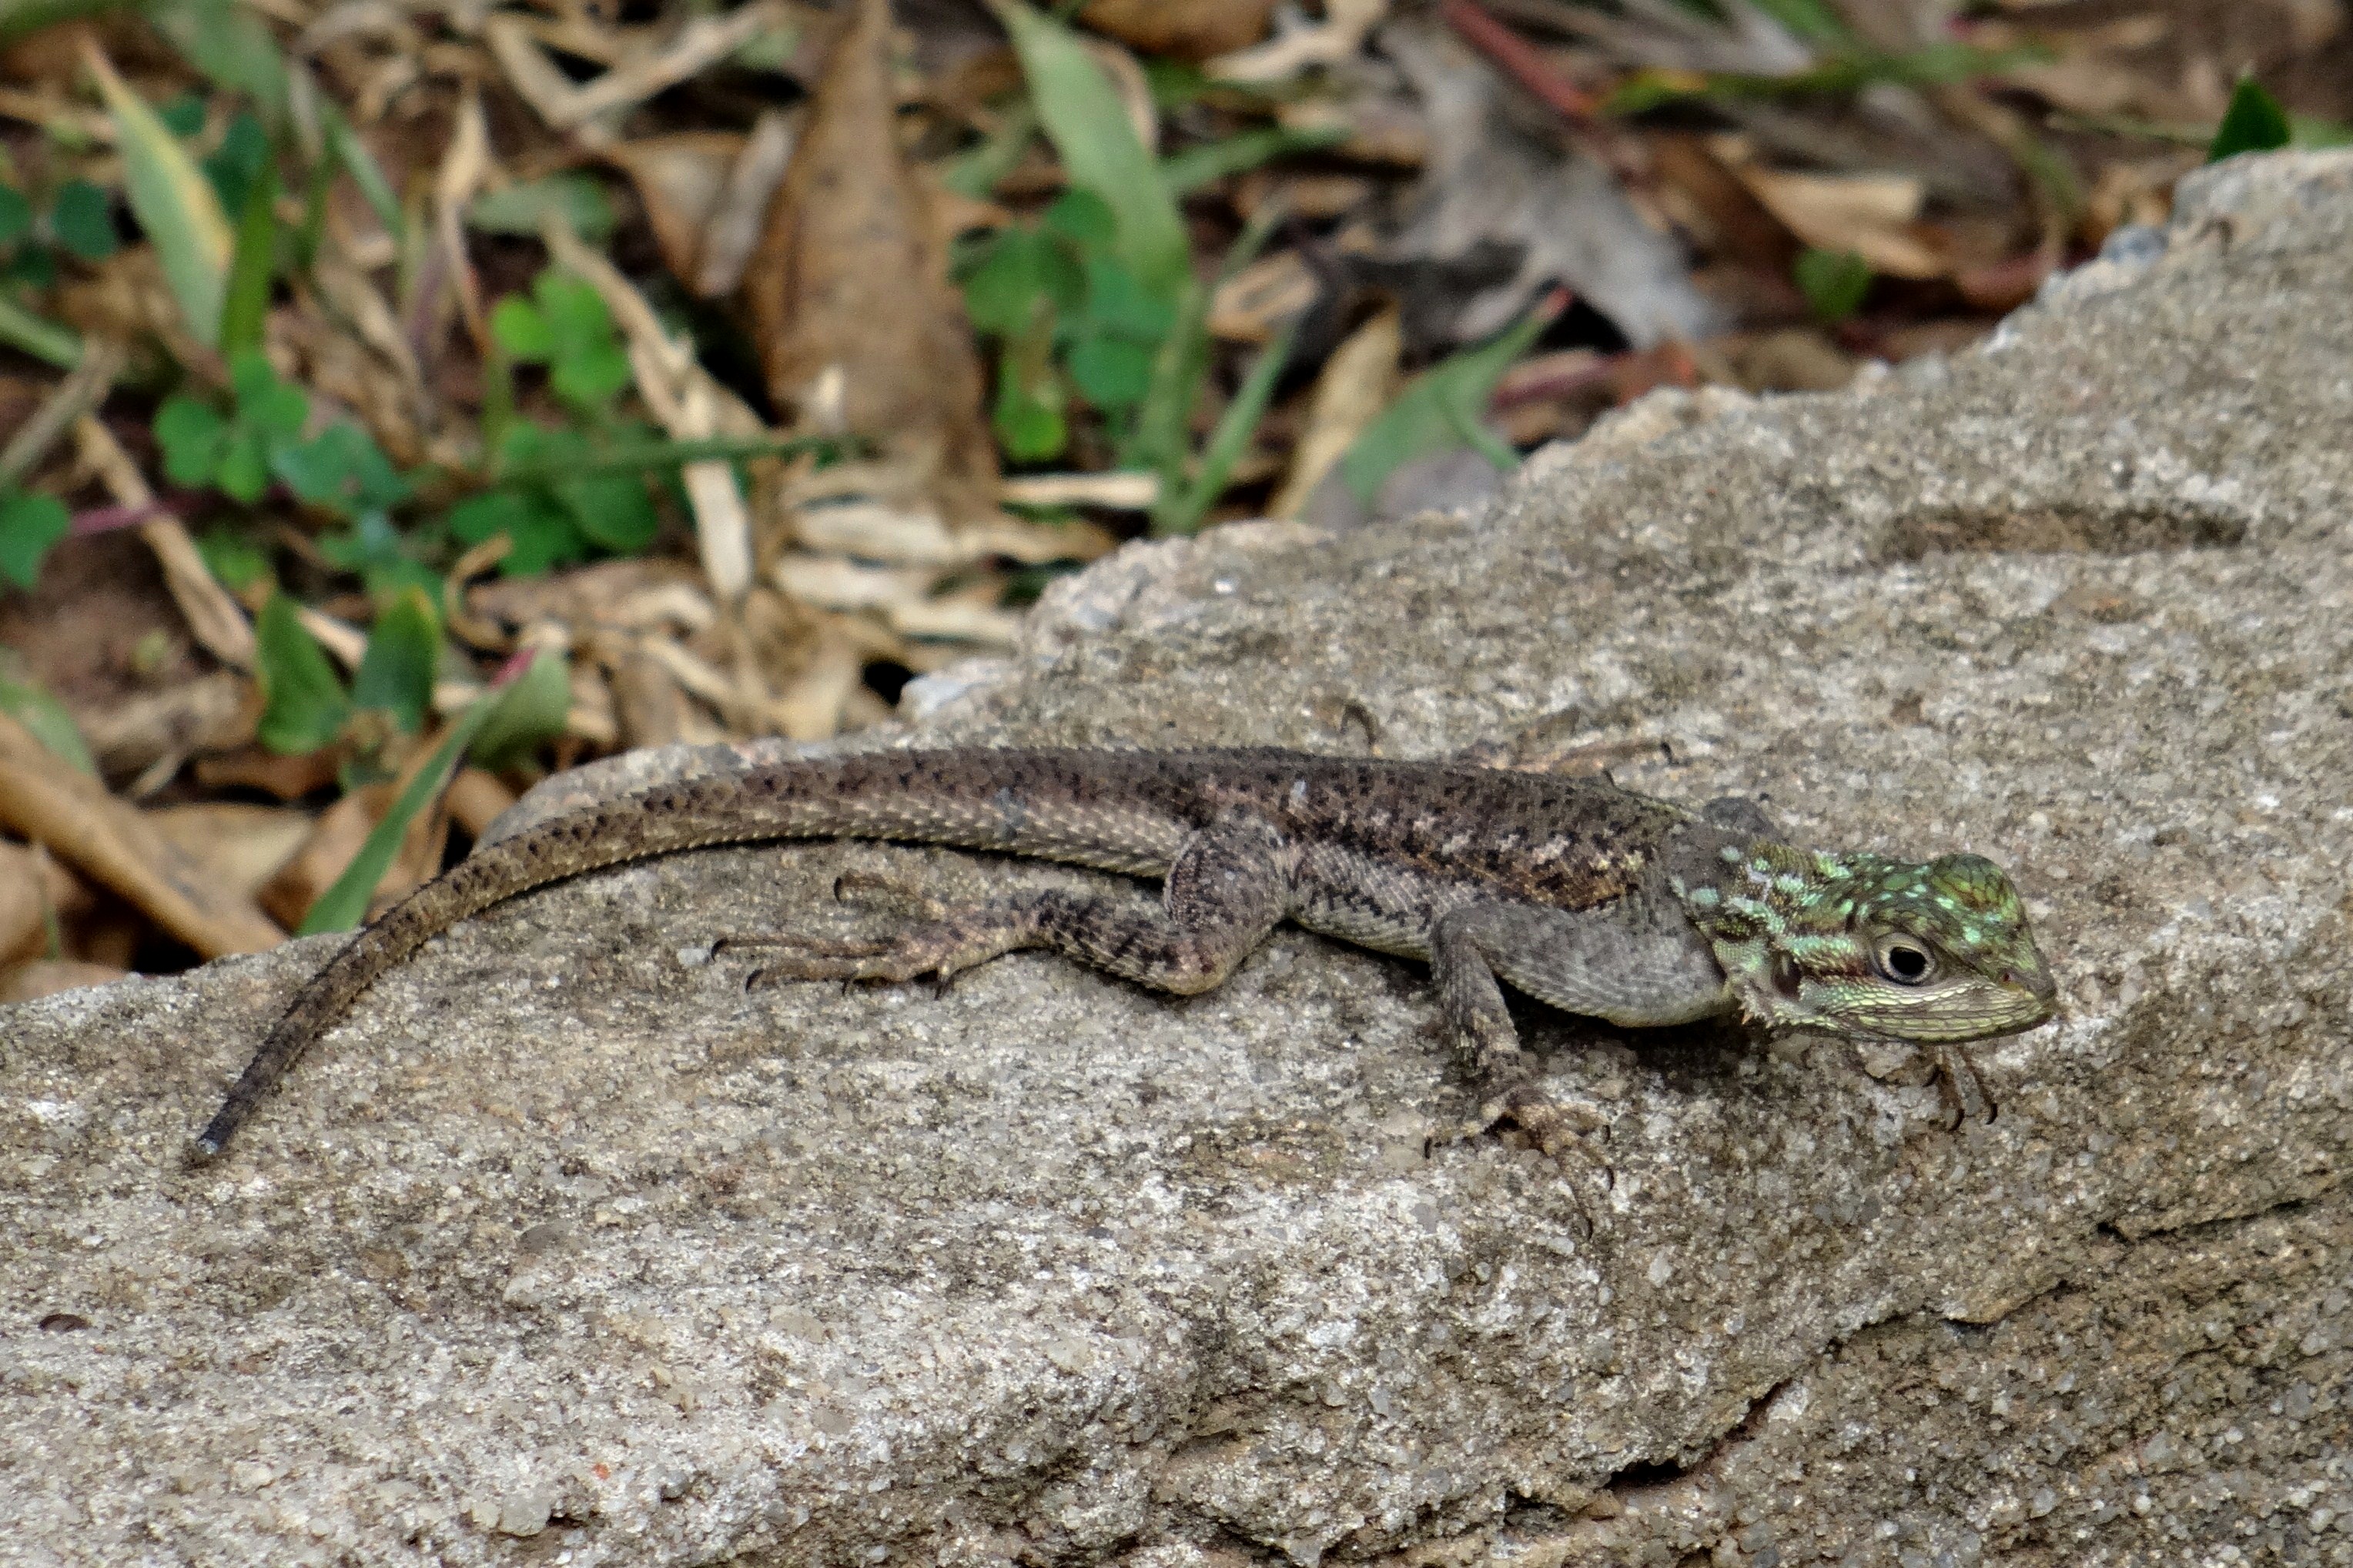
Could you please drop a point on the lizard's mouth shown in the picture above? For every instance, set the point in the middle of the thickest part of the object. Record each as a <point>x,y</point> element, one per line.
<point>1977,1008</point>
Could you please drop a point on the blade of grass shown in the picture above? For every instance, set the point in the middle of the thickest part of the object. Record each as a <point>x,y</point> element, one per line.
<point>365,172</point>
<point>1183,511</point>
<point>1163,420</point>
<point>1196,168</point>
<point>37,335</point>
<point>230,44</point>
<point>675,454</point>
<point>245,303</point>
<point>1088,126</point>
<point>173,200</point>
<point>344,904</point>
<point>1439,408</point>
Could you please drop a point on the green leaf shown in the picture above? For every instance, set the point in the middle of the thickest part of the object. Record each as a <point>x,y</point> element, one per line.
<point>1083,218</point>
<point>1112,372</point>
<point>303,702</point>
<point>589,377</point>
<point>2312,130</point>
<point>191,434</point>
<point>2254,122</point>
<point>245,304</point>
<point>234,560</point>
<point>48,721</point>
<point>348,149</point>
<point>15,215</point>
<point>1198,168</point>
<point>1028,417</point>
<point>83,222</point>
<point>975,171</point>
<point>543,534</point>
<point>31,522</point>
<point>183,116</point>
<point>1009,281</point>
<point>384,556</point>
<point>242,471</point>
<point>1115,301</point>
<point>521,331</point>
<point>1439,410</point>
<point>576,313</point>
<point>578,199</point>
<point>613,511</point>
<point>1162,428</point>
<point>1181,512</point>
<point>1087,124</point>
<point>341,469</point>
<point>1809,21</point>
<point>238,161</point>
<point>404,651</point>
<point>527,713</point>
<point>174,203</point>
<point>1833,281</point>
<point>36,335</point>
<point>229,43</point>
<point>265,405</point>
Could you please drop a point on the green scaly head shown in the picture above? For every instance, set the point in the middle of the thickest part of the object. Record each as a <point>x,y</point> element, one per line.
<point>1859,944</point>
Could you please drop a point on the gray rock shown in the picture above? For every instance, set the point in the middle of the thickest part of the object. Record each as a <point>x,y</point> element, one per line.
<point>567,1246</point>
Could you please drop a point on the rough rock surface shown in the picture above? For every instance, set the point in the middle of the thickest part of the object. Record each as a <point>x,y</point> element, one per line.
<point>567,1250</point>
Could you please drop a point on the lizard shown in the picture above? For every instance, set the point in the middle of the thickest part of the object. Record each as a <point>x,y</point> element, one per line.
<point>1594,899</point>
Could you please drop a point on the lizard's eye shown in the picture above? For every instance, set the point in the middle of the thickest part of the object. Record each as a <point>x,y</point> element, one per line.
<point>1904,961</point>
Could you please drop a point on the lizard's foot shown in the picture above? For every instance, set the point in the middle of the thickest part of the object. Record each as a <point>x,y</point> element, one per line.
<point>1964,1091</point>
<point>1556,1128</point>
<point>940,947</point>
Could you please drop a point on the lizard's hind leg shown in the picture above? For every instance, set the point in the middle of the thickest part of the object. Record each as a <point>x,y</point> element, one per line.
<point>1230,886</point>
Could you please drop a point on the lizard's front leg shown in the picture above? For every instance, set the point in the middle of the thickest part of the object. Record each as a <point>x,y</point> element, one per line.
<point>1464,944</point>
<point>1230,886</point>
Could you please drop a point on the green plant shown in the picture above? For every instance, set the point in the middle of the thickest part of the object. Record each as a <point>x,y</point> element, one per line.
<point>29,524</point>
<point>2254,122</point>
<point>1833,281</point>
<point>1068,315</point>
<point>1443,408</point>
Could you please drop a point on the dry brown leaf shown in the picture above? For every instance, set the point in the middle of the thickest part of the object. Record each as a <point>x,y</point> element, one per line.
<point>732,232</point>
<point>212,616</point>
<point>284,777</point>
<point>475,799</point>
<point>114,845</point>
<point>1121,490</point>
<point>679,180</point>
<point>214,713</point>
<point>238,845</point>
<point>1187,29</point>
<point>1355,384</point>
<point>857,325</point>
<point>47,977</point>
<point>1252,305</point>
<point>1874,215</point>
<point>876,530</point>
<point>35,891</point>
<point>1346,24</point>
<point>652,709</point>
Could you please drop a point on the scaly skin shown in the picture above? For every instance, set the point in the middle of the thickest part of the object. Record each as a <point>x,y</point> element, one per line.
<point>1583,894</point>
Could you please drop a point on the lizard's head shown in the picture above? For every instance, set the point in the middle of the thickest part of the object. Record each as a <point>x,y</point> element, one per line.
<point>1856,944</point>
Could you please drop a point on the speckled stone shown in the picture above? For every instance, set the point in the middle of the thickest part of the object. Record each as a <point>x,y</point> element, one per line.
<point>566,1250</point>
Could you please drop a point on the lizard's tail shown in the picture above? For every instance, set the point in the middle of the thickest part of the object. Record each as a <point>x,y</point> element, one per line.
<point>947,797</point>
<point>630,829</point>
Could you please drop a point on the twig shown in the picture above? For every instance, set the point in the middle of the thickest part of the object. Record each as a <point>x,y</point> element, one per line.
<point>1517,58</point>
